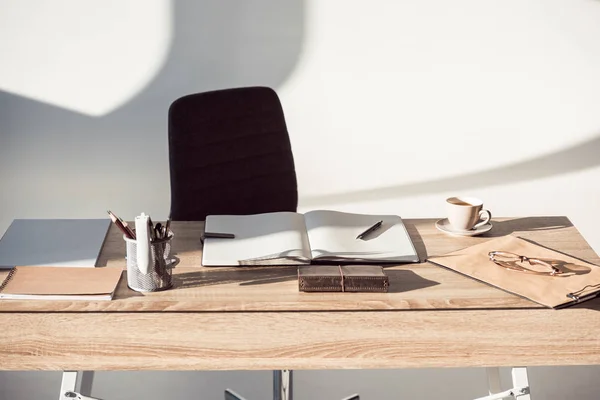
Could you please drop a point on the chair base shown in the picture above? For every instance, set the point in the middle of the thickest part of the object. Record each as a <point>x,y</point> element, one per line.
<point>231,395</point>
<point>282,388</point>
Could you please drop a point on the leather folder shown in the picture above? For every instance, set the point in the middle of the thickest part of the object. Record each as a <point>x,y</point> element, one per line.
<point>342,278</point>
<point>577,281</point>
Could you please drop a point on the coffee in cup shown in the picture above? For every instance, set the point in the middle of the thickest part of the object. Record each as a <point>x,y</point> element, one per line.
<point>466,213</point>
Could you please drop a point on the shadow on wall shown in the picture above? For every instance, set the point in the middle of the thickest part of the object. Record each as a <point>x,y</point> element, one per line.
<point>216,44</point>
<point>69,158</point>
<point>572,159</point>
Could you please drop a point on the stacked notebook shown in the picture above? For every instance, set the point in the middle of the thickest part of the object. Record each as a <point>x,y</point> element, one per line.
<point>288,238</point>
<point>54,259</point>
<point>60,283</point>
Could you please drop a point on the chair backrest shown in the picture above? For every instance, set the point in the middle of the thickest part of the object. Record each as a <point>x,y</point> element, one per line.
<point>230,153</point>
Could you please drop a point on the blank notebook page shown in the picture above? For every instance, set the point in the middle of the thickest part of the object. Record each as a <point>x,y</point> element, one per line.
<point>333,234</point>
<point>259,236</point>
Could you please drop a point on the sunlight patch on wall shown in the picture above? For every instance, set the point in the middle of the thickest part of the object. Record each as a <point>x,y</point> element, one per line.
<point>409,92</point>
<point>87,57</point>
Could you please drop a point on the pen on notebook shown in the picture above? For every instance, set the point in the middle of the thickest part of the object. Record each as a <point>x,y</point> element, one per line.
<point>219,235</point>
<point>122,225</point>
<point>371,229</point>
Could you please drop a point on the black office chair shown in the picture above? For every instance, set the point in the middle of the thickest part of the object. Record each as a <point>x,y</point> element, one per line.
<point>230,153</point>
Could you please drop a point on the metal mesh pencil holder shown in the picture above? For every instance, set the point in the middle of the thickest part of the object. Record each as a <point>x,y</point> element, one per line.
<point>159,276</point>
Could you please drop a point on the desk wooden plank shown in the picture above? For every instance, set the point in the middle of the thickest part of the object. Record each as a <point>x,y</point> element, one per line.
<point>294,340</point>
<point>56,337</point>
<point>412,286</point>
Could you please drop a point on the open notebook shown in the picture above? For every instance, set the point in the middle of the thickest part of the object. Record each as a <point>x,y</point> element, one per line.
<point>288,238</point>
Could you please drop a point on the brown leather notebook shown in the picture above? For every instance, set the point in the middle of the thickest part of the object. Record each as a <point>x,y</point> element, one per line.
<point>346,278</point>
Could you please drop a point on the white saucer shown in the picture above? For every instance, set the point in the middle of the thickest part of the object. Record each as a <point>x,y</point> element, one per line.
<point>444,226</point>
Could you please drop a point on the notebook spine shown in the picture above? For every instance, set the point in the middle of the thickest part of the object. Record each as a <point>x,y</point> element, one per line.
<point>10,275</point>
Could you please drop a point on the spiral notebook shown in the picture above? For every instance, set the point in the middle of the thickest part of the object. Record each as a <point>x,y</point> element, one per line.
<point>578,280</point>
<point>60,283</point>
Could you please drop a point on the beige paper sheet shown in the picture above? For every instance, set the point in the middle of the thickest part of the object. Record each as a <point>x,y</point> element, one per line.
<point>550,291</point>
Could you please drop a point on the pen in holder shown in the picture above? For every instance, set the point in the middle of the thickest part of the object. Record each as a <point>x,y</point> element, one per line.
<point>156,272</point>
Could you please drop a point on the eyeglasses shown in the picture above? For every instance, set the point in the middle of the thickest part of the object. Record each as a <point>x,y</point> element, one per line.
<point>510,261</point>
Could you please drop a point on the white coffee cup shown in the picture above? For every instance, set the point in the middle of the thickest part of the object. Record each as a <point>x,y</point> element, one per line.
<point>466,213</point>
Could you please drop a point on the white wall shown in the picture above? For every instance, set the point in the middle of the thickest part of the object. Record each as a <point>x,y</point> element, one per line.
<point>391,107</point>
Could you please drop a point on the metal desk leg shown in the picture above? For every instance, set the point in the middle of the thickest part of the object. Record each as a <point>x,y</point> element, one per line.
<point>520,390</point>
<point>74,382</point>
<point>68,384</point>
<point>282,385</point>
<point>520,381</point>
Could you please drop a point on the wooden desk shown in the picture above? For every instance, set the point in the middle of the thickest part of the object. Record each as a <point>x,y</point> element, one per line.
<point>255,318</point>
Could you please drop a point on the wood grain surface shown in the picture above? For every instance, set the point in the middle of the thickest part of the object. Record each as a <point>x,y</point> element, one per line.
<point>298,340</point>
<point>255,318</point>
<point>273,288</point>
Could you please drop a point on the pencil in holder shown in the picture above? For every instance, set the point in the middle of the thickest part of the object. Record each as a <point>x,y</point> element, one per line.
<point>159,274</point>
